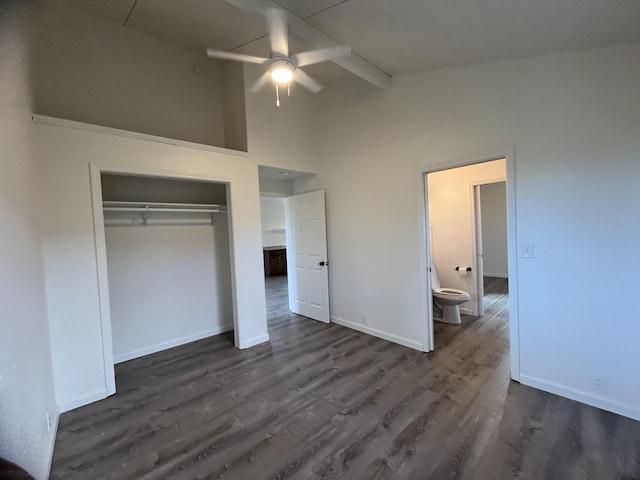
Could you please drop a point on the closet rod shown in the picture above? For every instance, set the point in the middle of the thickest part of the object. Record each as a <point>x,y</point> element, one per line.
<point>143,209</point>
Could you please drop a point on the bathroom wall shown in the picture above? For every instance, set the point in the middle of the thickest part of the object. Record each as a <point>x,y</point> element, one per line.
<point>493,199</point>
<point>452,222</point>
<point>273,221</point>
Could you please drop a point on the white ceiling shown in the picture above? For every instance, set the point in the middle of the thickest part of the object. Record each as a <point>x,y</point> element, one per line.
<point>397,36</point>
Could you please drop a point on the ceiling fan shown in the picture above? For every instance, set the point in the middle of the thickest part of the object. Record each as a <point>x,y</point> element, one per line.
<point>283,66</point>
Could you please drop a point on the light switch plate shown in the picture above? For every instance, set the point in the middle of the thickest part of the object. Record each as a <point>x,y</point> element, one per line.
<point>527,250</point>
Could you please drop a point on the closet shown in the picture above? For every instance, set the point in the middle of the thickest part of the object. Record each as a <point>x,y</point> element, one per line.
<point>168,262</point>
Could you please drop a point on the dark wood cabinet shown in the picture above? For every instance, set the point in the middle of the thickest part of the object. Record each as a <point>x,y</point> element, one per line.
<point>275,261</point>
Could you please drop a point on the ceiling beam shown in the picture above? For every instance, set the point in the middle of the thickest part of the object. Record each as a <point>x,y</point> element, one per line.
<point>305,31</point>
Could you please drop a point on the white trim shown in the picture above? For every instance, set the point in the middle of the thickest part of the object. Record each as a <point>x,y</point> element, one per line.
<point>512,266</point>
<point>475,207</point>
<point>380,334</point>
<point>89,127</point>
<point>252,342</point>
<point>467,311</point>
<point>476,247</point>
<point>100,245</point>
<point>141,352</point>
<point>424,278</point>
<point>508,153</point>
<point>274,194</point>
<point>101,256</point>
<point>52,438</point>
<point>581,396</point>
<point>84,400</point>
<point>234,290</point>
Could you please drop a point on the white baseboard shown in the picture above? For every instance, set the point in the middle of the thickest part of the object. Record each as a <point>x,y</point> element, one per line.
<point>466,311</point>
<point>379,333</point>
<point>581,396</point>
<point>55,420</point>
<point>496,275</point>
<point>141,352</point>
<point>252,342</point>
<point>84,400</point>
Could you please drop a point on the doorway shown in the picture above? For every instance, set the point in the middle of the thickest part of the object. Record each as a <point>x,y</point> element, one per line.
<point>491,250</point>
<point>453,239</point>
<point>294,246</point>
<point>249,322</point>
<point>274,251</point>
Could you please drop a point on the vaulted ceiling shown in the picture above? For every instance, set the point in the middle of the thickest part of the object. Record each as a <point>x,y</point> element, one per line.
<point>396,36</point>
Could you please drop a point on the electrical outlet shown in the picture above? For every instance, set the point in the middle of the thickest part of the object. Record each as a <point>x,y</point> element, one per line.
<point>363,318</point>
<point>599,383</point>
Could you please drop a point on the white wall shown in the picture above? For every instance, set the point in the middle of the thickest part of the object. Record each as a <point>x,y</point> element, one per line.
<point>26,377</point>
<point>273,221</point>
<point>286,136</point>
<point>452,223</point>
<point>493,200</point>
<point>234,107</point>
<point>168,285</point>
<point>70,245</point>
<point>91,69</point>
<point>277,188</point>
<point>151,189</point>
<point>574,120</point>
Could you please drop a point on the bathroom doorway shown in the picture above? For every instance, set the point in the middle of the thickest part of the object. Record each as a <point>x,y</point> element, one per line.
<point>473,263</point>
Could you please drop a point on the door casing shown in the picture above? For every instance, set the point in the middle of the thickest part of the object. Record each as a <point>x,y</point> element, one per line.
<point>508,153</point>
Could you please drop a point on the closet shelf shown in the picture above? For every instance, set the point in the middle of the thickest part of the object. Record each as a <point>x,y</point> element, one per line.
<point>146,208</point>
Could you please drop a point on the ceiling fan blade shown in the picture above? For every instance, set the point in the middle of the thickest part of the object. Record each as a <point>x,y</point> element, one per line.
<point>239,57</point>
<point>261,82</point>
<point>320,55</point>
<point>306,81</point>
<point>277,26</point>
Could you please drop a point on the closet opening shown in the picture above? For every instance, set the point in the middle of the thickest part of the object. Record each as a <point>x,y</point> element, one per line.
<point>168,262</point>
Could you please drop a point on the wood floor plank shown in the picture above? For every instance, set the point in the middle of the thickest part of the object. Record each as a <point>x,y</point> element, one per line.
<point>325,402</point>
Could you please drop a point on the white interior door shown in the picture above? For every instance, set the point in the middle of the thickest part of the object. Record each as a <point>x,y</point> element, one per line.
<point>307,264</point>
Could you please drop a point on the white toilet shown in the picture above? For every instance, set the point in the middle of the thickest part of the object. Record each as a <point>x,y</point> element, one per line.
<point>447,298</point>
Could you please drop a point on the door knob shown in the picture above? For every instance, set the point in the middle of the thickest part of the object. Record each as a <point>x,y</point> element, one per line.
<point>322,264</point>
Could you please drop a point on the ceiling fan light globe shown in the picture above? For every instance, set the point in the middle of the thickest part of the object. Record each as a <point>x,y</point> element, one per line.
<point>282,72</point>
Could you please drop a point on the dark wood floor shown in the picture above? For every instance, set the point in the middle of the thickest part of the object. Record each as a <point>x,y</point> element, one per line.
<point>323,402</point>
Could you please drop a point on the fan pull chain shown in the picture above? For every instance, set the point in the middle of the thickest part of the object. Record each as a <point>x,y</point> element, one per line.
<point>277,95</point>
<point>289,89</point>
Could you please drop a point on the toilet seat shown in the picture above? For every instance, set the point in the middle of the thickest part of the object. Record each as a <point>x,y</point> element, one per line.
<point>452,293</point>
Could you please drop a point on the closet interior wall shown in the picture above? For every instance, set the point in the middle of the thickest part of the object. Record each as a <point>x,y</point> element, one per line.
<point>169,275</point>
